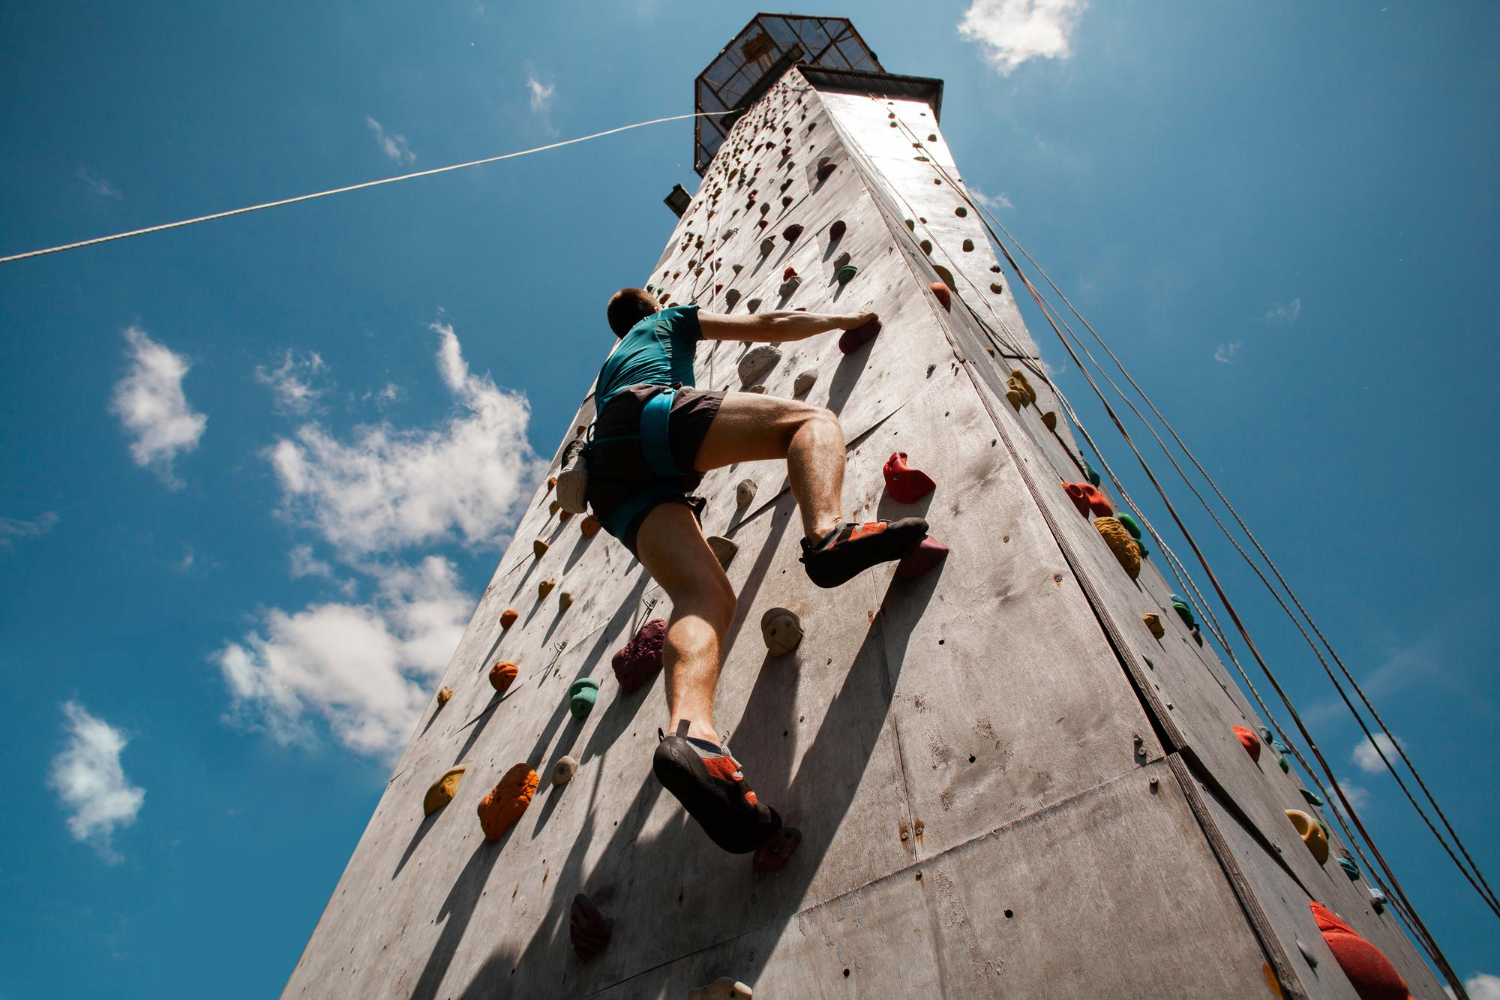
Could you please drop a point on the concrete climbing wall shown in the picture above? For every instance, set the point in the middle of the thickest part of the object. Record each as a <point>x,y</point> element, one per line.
<point>1007,786</point>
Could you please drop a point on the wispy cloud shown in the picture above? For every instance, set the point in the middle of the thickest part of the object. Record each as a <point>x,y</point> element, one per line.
<point>293,381</point>
<point>541,93</point>
<point>153,408</point>
<point>302,563</point>
<point>88,777</point>
<point>390,143</point>
<point>1284,312</point>
<point>14,529</point>
<point>1225,353</point>
<point>1367,758</point>
<point>1011,32</point>
<point>98,185</point>
<point>991,202</point>
<point>388,489</point>
<point>1481,986</point>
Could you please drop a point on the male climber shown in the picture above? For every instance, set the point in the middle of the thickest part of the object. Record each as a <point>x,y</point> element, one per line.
<point>653,438</point>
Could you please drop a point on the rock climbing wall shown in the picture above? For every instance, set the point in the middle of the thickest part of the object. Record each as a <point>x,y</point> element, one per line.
<point>1007,784</point>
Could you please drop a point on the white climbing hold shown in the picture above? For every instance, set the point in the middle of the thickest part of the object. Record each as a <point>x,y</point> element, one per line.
<point>744,493</point>
<point>805,381</point>
<point>757,364</point>
<point>563,770</point>
<point>781,629</point>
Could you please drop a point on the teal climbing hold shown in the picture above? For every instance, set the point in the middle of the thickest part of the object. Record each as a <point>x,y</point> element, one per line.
<point>1285,767</point>
<point>581,696</point>
<point>1089,473</point>
<point>1184,611</point>
<point>846,273</point>
<point>1350,868</point>
<point>1313,798</point>
<point>1130,525</point>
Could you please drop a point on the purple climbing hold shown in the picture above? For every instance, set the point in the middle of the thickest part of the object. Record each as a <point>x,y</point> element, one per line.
<point>921,560</point>
<point>854,339</point>
<point>790,233</point>
<point>638,661</point>
<point>587,928</point>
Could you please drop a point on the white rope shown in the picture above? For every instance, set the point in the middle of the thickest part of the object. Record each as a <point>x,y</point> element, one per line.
<point>343,190</point>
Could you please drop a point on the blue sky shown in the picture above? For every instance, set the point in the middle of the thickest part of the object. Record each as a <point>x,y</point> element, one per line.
<point>258,471</point>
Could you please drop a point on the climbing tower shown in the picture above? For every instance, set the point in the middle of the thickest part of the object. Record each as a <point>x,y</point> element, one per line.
<point>1024,773</point>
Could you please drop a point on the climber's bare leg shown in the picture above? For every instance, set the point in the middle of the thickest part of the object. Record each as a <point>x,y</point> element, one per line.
<point>672,548</point>
<point>750,427</point>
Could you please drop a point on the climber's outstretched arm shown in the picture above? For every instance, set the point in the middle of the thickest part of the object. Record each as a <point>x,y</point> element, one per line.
<point>777,327</point>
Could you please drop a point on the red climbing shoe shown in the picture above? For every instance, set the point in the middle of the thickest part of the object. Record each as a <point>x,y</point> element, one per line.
<point>850,549</point>
<point>712,788</point>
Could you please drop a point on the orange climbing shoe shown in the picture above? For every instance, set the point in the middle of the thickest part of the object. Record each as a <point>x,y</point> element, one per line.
<point>712,788</point>
<point>850,549</point>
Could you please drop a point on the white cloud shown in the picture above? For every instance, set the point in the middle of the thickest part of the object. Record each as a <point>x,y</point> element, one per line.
<point>541,93</point>
<point>1358,797</point>
<point>387,489</point>
<point>991,202</point>
<point>151,405</point>
<point>87,775</point>
<point>1366,757</point>
<point>1284,312</point>
<point>98,185</point>
<point>1483,986</point>
<point>12,528</point>
<point>304,563</point>
<point>1010,32</point>
<point>383,397</point>
<point>366,669</point>
<point>293,382</point>
<point>1226,352</point>
<point>391,144</point>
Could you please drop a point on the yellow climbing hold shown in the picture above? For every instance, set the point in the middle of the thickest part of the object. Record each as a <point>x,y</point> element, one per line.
<point>1312,834</point>
<point>1125,548</point>
<point>442,791</point>
<point>1153,622</point>
<point>539,547</point>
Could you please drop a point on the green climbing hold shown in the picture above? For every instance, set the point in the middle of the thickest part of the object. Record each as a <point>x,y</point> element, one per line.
<point>1184,611</point>
<point>581,696</point>
<point>1089,473</point>
<point>846,273</point>
<point>1130,525</point>
<point>1285,767</point>
<point>1313,798</point>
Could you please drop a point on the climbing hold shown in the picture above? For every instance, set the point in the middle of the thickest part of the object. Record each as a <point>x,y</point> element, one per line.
<point>911,225</point>
<point>922,559</point>
<point>841,260</point>
<point>1017,380</point>
<point>781,629</point>
<point>737,268</point>
<point>639,660</point>
<point>589,526</point>
<point>1313,798</point>
<point>442,791</point>
<point>1282,763</point>
<point>1312,834</point>
<point>504,804</point>
<point>757,364</point>
<point>805,381</point>
<point>752,304</point>
<point>765,208</point>
<point>503,675</point>
<point>837,230</point>
<point>772,855</point>
<point>563,771</point>
<point>846,274</point>
<point>905,484</point>
<point>581,696</point>
<point>554,507</point>
<point>444,694</point>
<point>944,296</point>
<point>825,167</point>
<point>790,233</point>
<point>1121,544</point>
<point>723,550</point>
<point>786,202</point>
<point>539,547</point>
<point>744,493</point>
<point>544,588</point>
<point>960,211</point>
<point>854,339</point>
<point>1049,420</point>
<point>1133,527</point>
<point>731,297</point>
<point>789,285</point>
<point>996,287</point>
<point>1087,498</point>
<point>565,600</point>
<point>1350,868</point>
<point>563,516</point>
<point>723,988</point>
<point>1089,473</point>
<point>1377,899</point>
<point>790,272</point>
<point>1153,623</point>
<point>968,245</point>
<point>926,246</point>
<point>1370,973</point>
<point>508,618</point>
<point>1249,741</point>
<point>1184,611</point>
<point>767,245</point>
<point>587,928</point>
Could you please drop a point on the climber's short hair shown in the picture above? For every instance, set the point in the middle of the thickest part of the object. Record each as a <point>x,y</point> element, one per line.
<point>629,306</point>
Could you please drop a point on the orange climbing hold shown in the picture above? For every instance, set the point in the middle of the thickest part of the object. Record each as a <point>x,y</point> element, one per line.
<point>943,295</point>
<point>589,526</point>
<point>1370,973</point>
<point>504,804</point>
<point>1126,549</point>
<point>508,618</point>
<point>442,791</point>
<point>444,694</point>
<point>903,483</point>
<point>1087,498</point>
<point>1249,741</point>
<point>503,675</point>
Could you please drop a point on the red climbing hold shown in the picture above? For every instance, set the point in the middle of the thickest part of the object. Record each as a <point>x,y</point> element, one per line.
<point>502,675</point>
<point>772,856</point>
<point>1087,498</point>
<point>1370,973</point>
<point>943,294</point>
<point>1249,740</point>
<point>587,928</point>
<point>508,618</point>
<point>905,484</point>
<point>854,339</point>
<point>836,231</point>
<point>638,660</point>
<point>789,274</point>
<point>790,233</point>
<point>921,560</point>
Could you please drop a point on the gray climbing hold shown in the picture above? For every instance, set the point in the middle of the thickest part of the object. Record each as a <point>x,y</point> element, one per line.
<point>723,549</point>
<point>781,629</point>
<point>752,304</point>
<point>804,382</point>
<point>841,260</point>
<point>723,988</point>
<point>757,364</point>
<point>744,493</point>
<point>767,245</point>
<point>563,770</point>
<point>736,268</point>
<point>731,297</point>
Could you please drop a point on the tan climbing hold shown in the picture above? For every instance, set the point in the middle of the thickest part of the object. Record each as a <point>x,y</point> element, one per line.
<point>805,381</point>
<point>1050,420</point>
<point>946,275</point>
<point>445,693</point>
<point>504,804</point>
<point>563,771</point>
<point>442,791</point>
<point>565,600</point>
<point>1018,379</point>
<point>539,547</point>
<point>1153,622</point>
<point>744,493</point>
<point>757,364</point>
<point>723,988</point>
<point>781,629</point>
<point>503,675</point>
<point>842,259</point>
<point>1126,549</point>
<point>544,588</point>
<point>1015,397</point>
<point>554,507</point>
<point>723,549</point>
<point>508,618</point>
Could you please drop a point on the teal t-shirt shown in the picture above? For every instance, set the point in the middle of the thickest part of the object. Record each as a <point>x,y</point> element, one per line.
<point>658,350</point>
